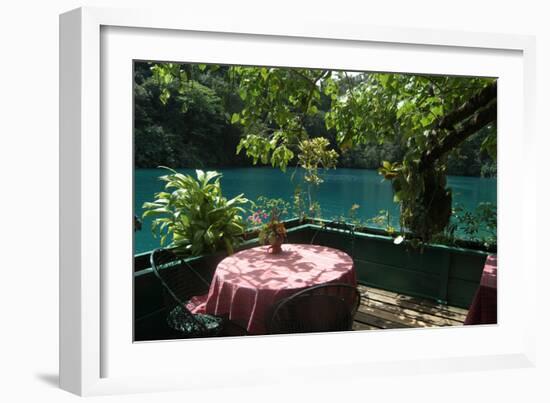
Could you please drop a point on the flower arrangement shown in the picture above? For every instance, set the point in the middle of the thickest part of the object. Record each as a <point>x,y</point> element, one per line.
<point>257,217</point>
<point>273,233</point>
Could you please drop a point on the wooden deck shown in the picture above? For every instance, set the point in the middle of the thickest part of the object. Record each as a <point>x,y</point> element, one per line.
<point>382,309</point>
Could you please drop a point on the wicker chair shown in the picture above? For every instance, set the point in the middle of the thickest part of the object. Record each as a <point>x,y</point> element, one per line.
<point>337,226</point>
<point>180,283</point>
<point>322,308</point>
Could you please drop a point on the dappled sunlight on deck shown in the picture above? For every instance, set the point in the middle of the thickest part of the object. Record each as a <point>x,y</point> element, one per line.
<point>381,309</point>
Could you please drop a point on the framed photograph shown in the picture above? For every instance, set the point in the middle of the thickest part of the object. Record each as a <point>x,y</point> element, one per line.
<point>272,201</point>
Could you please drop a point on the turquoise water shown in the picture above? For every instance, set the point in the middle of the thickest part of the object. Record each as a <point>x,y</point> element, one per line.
<point>342,188</point>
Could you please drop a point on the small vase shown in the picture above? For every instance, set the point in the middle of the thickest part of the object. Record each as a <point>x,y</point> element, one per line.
<point>275,247</point>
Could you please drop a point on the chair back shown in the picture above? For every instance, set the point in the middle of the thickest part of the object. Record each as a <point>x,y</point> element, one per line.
<point>179,280</point>
<point>323,308</point>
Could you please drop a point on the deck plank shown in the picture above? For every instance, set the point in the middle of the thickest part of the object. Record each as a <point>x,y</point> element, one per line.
<point>381,309</point>
<point>414,300</point>
<point>432,311</point>
<point>435,315</point>
<point>376,321</point>
<point>405,320</point>
<point>409,314</point>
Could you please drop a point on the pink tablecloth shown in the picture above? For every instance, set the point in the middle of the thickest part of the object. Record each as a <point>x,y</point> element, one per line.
<point>483,309</point>
<point>249,282</point>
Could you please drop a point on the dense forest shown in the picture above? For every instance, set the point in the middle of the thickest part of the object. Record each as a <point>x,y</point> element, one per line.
<point>188,123</point>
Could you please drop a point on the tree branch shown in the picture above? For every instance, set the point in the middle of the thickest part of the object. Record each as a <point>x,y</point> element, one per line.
<point>312,81</point>
<point>483,97</point>
<point>481,118</point>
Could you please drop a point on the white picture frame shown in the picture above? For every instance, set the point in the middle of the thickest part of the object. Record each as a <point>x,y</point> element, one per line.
<point>93,337</point>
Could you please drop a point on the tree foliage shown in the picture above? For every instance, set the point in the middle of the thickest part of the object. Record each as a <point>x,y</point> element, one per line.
<point>430,116</point>
<point>183,120</point>
<point>418,122</point>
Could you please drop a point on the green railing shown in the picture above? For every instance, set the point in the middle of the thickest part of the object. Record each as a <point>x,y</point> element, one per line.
<point>449,275</point>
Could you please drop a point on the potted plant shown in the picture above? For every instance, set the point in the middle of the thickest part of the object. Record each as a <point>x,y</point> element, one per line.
<point>194,215</point>
<point>273,233</point>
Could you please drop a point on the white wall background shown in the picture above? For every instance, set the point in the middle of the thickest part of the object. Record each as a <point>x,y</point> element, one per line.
<point>29,195</point>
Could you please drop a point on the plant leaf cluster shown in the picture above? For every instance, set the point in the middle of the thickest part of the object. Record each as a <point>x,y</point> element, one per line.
<point>193,215</point>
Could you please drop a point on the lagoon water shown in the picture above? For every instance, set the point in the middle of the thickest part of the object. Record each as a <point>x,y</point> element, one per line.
<point>341,189</point>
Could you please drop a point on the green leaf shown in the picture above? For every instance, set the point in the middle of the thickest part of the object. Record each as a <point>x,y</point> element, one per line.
<point>211,175</point>
<point>164,96</point>
<point>398,196</point>
<point>200,175</point>
<point>437,110</point>
<point>384,79</point>
<point>426,121</point>
<point>243,93</point>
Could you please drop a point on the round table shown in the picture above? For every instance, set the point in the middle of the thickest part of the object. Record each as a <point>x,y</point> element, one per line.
<point>247,283</point>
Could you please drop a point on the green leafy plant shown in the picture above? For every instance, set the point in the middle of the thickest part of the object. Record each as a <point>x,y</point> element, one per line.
<point>299,203</point>
<point>194,215</point>
<point>313,154</point>
<point>263,205</point>
<point>352,215</point>
<point>478,226</point>
<point>383,220</point>
<point>303,204</point>
<point>423,196</point>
